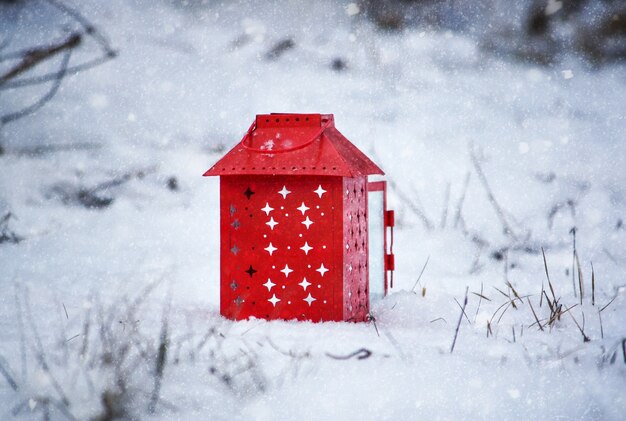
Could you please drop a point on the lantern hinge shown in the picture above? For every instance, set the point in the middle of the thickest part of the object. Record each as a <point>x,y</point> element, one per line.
<point>390,218</point>
<point>390,262</point>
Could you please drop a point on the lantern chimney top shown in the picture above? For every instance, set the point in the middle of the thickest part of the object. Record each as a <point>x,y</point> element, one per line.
<point>286,120</point>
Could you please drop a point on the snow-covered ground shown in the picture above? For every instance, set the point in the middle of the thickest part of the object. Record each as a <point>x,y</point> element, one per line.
<point>84,292</point>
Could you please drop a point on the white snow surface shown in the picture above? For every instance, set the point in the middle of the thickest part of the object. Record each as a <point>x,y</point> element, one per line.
<point>187,83</point>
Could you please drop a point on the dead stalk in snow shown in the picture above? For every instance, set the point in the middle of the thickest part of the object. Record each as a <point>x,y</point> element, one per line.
<point>459,206</point>
<point>506,227</point>
<point>420,277</point>
<point>458,325</point>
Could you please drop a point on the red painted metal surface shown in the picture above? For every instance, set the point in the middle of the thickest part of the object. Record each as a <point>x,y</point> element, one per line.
<point>293,211</point>
<point>294,144</point>
<point>281,255</point>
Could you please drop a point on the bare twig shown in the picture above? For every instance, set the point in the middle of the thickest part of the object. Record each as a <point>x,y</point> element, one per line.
<point>360,354</point>
<point>7,118</point>
<point>34,56</point>
<point>458,325</point>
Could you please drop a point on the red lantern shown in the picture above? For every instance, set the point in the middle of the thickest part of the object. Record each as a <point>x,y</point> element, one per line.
<point>295,220</point>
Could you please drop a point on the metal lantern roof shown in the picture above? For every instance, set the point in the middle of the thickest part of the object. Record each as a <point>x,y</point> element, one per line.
<point>294,144</point>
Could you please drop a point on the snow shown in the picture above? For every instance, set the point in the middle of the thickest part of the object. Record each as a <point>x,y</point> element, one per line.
<point>188,81</point>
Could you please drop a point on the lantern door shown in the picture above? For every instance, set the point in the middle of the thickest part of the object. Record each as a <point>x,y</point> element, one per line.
<point>380,240</point>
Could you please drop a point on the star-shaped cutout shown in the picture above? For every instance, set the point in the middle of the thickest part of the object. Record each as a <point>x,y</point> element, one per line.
<point>235,249</point>
<point>306,248</point>
<point>271,223</point>
<point>233,285</point>
<point>309,299</point>
<point>269,284</point>
<point>284,192</point>
<point>270,249</point>
<point>304,284</point>
<point>238,300</point>
<point>248,192</point>
<point>274,300</point>
<point>286,271</point>
<point>303,208</point>
<point>320,191</point>
<point>232,210</point>
<point>267,209</point>
<point>307,222</point>
<point>322,270</point>
<point>251,271</point>
<point>236,224</point>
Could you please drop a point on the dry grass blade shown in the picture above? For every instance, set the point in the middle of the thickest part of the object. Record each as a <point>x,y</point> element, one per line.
<point>582,332</point>
<point>534,314</point>
<point>545,266</point>
<point>608,304</point>
<point>580,279</point>
<point>458,325</point>
<point>420,275</point>
<point>462,310</point>
<point>593,286</point>
<point>573,232</point>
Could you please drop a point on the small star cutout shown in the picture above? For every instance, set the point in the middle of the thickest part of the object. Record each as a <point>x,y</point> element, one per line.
<point>232,210</point>
<point>307,222</point>
<point>269,284</point>
<point>309,299</point>
<point>306,248</point>
<point>251,271</point>
<point>320,191</point>
<point>270,249</point>
<point>286,271</point>
<point>236,224</point>
<point>304,284</point>
<point>303,208</point>
<point>234,250</point>
<point>238,300</point>
<point>274,300</point>
<point>248,193</point>
<point>233,285</point>
<point>267,209</point>
<point>322,270</point>
<point>284,192</point>
<point>271,223</point>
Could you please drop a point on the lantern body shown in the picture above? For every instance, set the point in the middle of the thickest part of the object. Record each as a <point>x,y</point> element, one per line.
<point>294,223</point>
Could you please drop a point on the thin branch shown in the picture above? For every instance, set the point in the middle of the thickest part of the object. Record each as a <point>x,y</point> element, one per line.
<point>33,57</point>
<point>70,71</point>
<point>7,118</point>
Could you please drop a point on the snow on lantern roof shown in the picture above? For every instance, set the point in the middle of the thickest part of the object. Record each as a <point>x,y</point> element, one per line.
<point>294,144</point>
